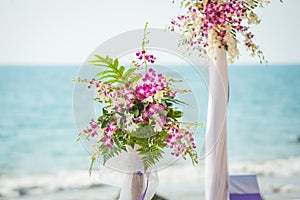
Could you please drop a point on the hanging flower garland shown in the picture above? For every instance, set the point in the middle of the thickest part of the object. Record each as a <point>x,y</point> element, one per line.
<point>210,24</point>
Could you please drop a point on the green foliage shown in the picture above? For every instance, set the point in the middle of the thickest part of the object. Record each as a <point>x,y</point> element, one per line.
<point>93,158</point>
<point>101,61</point>
<point>128,73</point>
<point>134,79</point>
<point>114,72</point>
<point>105,122</point>
<point>150,156</point>
<point>108,153</point>
<point>174,113</point>
<point>171,100</point>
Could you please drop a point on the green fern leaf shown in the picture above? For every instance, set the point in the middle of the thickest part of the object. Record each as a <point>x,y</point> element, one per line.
<point>111,81</point>
<point>128,73</point>
<point>116,63</point>
<point>108,153</point>
<point>105,72</point>
<point>101,61</point>
<point>151,156</point>
<point>121,69</point>
<point>109,76</point>
<point>135,78</point>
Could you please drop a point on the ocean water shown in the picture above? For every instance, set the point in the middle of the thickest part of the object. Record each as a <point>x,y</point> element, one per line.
<point>264,112</point>
<point>37,131</point>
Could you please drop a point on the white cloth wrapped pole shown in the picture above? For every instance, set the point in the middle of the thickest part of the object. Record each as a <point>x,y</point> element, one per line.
<point>216,171</point>
<point>134,186</point>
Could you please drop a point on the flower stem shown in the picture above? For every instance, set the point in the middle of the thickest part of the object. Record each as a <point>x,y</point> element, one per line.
<point>144,42</point>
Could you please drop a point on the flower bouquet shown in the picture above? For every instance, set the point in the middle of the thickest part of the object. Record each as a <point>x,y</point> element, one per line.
<point>139,110</point>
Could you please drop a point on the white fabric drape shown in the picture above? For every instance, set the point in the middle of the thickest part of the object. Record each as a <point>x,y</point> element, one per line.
<point>216,172</point>
<point>134,186</point>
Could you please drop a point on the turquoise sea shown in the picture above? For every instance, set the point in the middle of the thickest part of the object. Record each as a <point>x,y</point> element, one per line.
<point>37,131</point>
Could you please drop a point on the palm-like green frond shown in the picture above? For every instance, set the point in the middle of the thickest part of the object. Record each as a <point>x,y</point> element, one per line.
<point>114,73</point>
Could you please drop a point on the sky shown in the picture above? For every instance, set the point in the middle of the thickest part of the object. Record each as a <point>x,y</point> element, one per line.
<point>65,32</point>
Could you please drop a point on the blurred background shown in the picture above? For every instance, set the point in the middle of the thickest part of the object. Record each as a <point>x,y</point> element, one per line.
<point>43,45</point>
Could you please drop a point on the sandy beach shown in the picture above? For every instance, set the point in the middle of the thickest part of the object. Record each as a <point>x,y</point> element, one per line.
<point>278,179</point>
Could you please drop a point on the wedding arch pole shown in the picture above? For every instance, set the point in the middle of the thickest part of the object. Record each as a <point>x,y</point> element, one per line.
<point>216,169</point>
<point>207,24</point>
